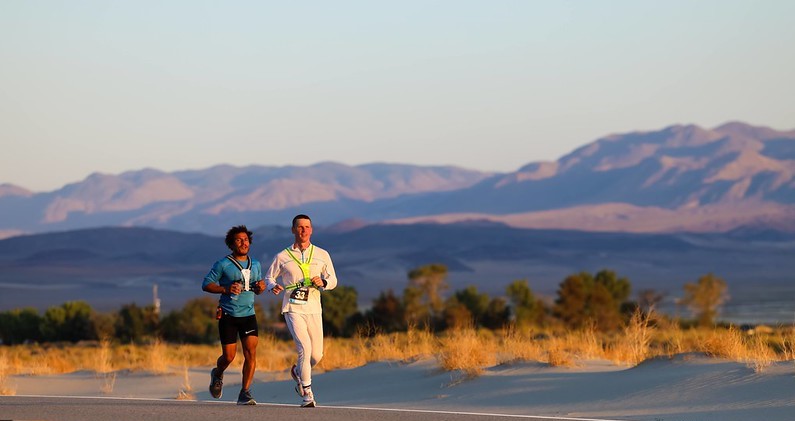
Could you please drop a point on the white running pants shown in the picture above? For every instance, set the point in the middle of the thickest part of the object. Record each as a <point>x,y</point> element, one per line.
<point>307,331</point>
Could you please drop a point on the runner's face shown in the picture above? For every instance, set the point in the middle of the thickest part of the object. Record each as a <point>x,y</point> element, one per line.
<point>302,231</point>
<point>240,245</point>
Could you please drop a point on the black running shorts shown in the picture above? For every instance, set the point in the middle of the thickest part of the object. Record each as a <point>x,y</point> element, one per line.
<point>229,328</point>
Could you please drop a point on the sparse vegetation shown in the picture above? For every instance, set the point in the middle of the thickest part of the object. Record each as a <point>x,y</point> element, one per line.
<point>705,297</point>
<point>468,332</point>
<point>186,390</point>
<point>5,389</point>
<point>467,350</point>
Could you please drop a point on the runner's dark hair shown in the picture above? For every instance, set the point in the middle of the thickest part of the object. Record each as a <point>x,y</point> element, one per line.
<point>300,216</point>
<point>230,235</point>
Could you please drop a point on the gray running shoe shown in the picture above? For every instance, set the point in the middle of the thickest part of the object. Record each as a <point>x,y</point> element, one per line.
<point>244,398</point>
<point>216,384</point>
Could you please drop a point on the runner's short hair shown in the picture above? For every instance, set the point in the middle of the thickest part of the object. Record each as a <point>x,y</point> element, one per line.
<point>300,216</point>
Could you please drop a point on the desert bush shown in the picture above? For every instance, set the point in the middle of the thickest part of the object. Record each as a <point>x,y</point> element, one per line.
<point>430,281</point>
<point>527,309</point>
<point>387,312</point>
<point>339,305</point>
<point>194,323</point>
<point>519,347</point>
<point>136,324</point>
<point>20,325</point>
<point>705,298</point>
<point>72,321</point>
<point>633,347</point>
<point>728,343</point>
<point>463,349</point>
<point>584,299</point>
<point>558,354</point>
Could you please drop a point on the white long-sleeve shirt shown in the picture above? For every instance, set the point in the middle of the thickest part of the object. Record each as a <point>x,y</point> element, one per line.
<point>284,268</point>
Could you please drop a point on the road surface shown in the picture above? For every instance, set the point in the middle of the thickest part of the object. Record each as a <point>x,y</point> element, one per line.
<point>120,409</point>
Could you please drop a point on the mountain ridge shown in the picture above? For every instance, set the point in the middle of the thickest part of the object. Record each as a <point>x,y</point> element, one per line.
<point>742,174</point>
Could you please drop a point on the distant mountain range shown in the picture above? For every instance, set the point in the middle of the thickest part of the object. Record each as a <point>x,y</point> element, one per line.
<point>681,178</point>
<point>210,200</point>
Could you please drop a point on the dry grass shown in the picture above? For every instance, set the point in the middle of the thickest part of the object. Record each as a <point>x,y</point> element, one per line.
<point>520,346</point>
<point>588,343</point>
<point>362,349</point>
<point>341,353</point>
<point>558,354</point>
<point>104,361</point>
<point>272,354</point>
<point>759,355</point>
<point>156,358</point>
<point>786,343</point>
<point>108,383</point>
<point>186,389</point>
<point>5,388</point>
<point>467,350</point>
<point>633,347</point>
<point>729,344</point>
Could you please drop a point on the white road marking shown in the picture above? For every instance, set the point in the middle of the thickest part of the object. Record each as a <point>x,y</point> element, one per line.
<point>362,408</point>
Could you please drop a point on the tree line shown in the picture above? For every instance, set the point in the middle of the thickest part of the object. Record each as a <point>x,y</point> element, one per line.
<point>599,300</point>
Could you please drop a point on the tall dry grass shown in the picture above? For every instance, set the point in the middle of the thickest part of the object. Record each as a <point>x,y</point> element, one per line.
<point>558,353</point>
<point>467,350</point>
<point>272,354</point>
<point>186,389</point>
<point>5,387</point>
<point>633,346</point>
<point>517,345</point>
<point>367,347</point>
<point>786,344</point>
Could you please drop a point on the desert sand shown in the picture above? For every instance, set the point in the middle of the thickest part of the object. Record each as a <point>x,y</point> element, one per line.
<point>684,387</point>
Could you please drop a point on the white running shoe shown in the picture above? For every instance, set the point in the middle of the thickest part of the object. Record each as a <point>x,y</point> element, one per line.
<point>309,398</point>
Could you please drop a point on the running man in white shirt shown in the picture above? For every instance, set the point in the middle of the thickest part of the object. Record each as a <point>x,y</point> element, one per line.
<point>305,270</point>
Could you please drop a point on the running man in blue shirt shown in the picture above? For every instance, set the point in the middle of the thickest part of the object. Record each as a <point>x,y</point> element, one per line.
<point>237,277</point>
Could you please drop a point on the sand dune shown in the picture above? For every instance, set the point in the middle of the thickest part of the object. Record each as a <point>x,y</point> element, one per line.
<point>685,387</point>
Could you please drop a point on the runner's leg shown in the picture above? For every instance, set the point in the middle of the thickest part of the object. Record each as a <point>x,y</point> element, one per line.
<point>298,328</point>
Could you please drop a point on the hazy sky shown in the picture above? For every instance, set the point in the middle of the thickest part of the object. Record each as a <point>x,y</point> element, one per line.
<point>112,86</point>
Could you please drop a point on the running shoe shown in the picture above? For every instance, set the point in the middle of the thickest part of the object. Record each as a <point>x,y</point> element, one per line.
<point>309,398</point>
<point>244,398</point>
<point>216,384</point>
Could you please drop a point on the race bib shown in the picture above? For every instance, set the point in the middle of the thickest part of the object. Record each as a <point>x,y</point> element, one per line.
<point>299,296</point>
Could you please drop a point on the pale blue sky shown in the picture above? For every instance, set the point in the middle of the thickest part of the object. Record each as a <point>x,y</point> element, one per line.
<point>112,86</point>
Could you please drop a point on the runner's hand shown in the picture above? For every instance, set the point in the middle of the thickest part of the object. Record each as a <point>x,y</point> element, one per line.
<point>259,286</point>
<point>277,289</point>
<point>317,282</point>
<point>235,288</point>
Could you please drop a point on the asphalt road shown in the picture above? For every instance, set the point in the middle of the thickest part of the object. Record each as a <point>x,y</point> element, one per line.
<point>20,408</point>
